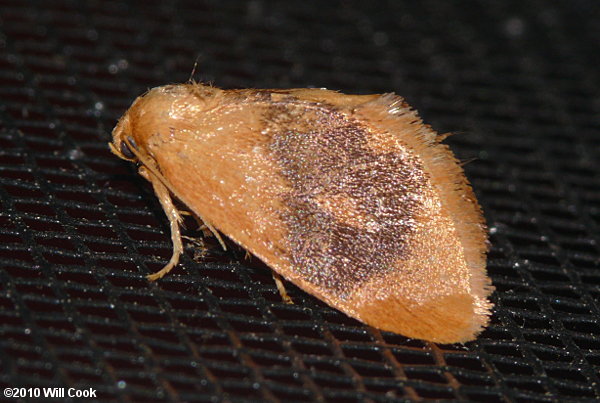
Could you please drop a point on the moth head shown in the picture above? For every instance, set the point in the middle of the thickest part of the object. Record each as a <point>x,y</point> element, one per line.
<point>131,138</point>
<point>124,145</point>
<point>153,118</point>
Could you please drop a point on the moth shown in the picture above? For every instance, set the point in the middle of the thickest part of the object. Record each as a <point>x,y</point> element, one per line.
<point>350,197</point>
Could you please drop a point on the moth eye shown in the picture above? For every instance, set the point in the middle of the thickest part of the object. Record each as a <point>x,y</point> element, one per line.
<point>125,150</point>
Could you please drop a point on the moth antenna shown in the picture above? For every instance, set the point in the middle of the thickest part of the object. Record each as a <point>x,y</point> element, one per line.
<point>281,288</point>
<point>467,161</point>
<point>145,163</point>
<point>443,136</point>
<point>164,196</point>
<point>191,79</point>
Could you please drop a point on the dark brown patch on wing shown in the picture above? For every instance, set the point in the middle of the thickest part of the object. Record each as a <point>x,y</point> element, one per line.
<point>351,210</point>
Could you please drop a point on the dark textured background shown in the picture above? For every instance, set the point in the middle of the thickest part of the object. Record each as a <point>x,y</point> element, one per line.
<point>518,81</point>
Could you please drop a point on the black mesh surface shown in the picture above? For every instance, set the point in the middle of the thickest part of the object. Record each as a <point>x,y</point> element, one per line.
<point>79,229</point>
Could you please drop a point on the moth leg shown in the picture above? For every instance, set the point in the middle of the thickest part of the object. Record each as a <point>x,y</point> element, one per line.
<point>163,195</point>
<point>200,250</point>
<point>205,231</point>
<point>281,288</point>
<point>185,212</point>
<point>208,230</point>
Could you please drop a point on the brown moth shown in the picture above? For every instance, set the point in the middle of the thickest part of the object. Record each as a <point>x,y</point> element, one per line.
<point>350,197</point>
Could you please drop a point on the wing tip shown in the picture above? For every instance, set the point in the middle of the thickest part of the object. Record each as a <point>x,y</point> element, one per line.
<point>455,318</point>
